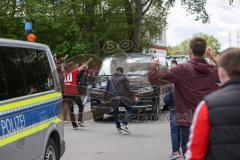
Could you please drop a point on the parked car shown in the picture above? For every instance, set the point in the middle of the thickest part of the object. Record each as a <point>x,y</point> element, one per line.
<point>180,59</point>
<point>136,67</point>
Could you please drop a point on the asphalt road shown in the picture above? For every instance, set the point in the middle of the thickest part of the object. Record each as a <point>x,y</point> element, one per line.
<point>100,141</point>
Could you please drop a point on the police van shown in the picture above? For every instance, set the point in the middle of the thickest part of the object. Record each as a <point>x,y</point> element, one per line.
<point>31,126</point>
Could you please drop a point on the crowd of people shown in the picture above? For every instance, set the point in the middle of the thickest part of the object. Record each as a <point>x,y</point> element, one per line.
<point>203,101</point>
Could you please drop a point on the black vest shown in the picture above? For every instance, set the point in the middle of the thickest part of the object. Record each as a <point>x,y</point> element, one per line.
<point>224,115</point>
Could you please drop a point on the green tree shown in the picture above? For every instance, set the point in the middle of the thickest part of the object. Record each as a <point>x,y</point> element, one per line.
<point>212,42</point>
<point>139,11</point>
<point>84,26</point>
<point>183,47</point>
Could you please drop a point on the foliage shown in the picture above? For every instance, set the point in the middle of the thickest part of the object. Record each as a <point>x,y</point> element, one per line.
<point>83,26</point>
<point>183,47</point>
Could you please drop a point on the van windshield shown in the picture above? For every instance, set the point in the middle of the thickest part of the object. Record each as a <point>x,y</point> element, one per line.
<point>135,67</point>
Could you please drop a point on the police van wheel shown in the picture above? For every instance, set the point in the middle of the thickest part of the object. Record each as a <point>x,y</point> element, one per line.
<point>51,152</point>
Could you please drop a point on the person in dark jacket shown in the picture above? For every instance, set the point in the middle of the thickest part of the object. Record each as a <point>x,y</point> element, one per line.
<point>118,87</point>
<point>215,132</point>
<point>169,100</point>
<point>192,80</point>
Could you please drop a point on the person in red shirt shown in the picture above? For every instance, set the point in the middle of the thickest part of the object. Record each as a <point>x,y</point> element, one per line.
<point>71,93</point>
<point>215,131</point>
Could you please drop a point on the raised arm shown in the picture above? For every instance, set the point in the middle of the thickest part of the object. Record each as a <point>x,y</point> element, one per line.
<point>160,77</point>
<point>211,56</point>
<point>85,65</point>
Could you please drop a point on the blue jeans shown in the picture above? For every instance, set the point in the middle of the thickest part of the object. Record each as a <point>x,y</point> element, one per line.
<point>184,134</point>
<point>127,118</point>
<point>175,132</point>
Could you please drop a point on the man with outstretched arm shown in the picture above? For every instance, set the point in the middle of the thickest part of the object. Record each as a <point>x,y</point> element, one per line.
<point>192,81</point>
<point>71,94</point>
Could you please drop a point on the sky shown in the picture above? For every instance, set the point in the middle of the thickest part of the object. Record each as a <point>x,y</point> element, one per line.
<point>224,23</point>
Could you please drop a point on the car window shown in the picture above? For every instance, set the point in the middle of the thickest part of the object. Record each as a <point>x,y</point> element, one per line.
<point>25,71</point>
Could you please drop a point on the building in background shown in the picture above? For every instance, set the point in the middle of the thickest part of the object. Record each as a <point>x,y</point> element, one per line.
<point>159,46</point>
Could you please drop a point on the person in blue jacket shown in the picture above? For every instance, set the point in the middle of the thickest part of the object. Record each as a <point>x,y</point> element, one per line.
<point>169,100</point>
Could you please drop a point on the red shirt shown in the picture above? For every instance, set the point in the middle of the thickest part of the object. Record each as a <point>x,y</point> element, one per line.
<point>70,82</point>
<point>199,137</point>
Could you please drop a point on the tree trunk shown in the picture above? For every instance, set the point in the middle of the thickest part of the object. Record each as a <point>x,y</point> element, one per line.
<point>134,19</point>
<point>137,26</point>
<point>129,17</point>
<point>89,12</point>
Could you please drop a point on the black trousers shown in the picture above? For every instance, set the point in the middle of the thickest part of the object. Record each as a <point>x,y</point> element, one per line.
<point>70,100</point>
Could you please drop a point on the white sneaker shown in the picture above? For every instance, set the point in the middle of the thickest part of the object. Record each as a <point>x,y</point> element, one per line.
<point>119,131</point>
<point>81,124</point>
<point>125,129</point>
<point>175,155</point>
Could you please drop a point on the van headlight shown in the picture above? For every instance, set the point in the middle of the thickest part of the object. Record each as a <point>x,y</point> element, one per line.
<point>145,89</point>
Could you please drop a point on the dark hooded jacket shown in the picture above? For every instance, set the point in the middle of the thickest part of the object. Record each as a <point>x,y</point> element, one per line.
<point>118,86</point>
<point>192,81</point>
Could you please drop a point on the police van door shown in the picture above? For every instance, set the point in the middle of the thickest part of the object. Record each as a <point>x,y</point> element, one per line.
<point>24,89</point>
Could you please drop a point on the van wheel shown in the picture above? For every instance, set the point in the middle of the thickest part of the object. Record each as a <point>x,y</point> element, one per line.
<point>51,152</point>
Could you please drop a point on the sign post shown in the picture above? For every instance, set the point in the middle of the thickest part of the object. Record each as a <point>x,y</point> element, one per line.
<point>31,37</point>
<point>28,27</point>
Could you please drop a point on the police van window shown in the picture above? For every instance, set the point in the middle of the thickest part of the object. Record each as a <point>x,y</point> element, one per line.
<point>37,71</point>
<point>11,66</point>
<point>3,86</point>
<point>26,71</point>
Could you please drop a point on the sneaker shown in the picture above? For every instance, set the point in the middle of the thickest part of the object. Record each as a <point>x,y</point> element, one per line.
<point>125,129</point>
<point>119,131</point>
<point>81,124</point>
<point>175,155</point>
<point>75,127</point>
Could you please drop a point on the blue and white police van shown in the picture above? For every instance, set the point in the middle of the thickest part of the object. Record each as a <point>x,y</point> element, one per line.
<point>31,126</point>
